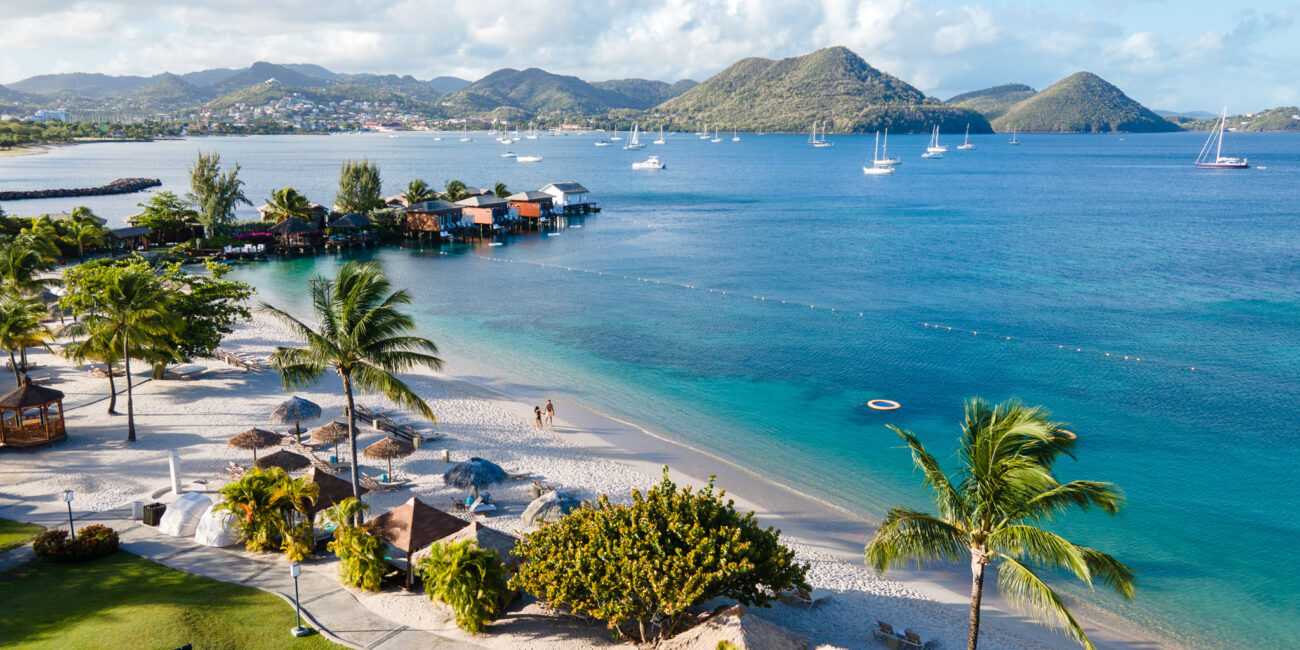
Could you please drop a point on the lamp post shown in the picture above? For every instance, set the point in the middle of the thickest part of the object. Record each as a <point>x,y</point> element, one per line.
<point>67,498</point>
<point>295,570</point>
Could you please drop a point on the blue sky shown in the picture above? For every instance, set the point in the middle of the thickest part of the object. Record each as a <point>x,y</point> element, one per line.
<point>1176,55</point>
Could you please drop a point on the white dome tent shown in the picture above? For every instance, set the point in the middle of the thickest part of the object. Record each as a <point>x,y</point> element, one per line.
<point>182,516</point>
<point>217,528</point>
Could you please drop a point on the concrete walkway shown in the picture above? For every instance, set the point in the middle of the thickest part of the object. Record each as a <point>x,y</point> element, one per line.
<point>326,605</point>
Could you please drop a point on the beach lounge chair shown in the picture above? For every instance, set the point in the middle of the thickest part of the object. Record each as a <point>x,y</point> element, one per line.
<point>811,598</point>
<point>234,471</point>
<point>183,372</point>
<point>479,507</point>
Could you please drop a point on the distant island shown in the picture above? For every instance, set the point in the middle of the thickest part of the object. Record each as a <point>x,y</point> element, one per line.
<point>831,86</point>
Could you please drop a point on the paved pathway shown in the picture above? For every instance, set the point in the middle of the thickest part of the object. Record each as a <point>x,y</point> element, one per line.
<point>326,605</point>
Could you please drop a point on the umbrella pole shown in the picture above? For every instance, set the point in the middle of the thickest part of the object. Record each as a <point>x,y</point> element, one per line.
<point>297,431</point>
<point>390,477</point>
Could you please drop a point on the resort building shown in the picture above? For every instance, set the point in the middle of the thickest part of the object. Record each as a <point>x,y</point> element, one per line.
<point>433,216</point>
<point>568,196</point>
<point>485,210</point>
<point>530,206</point>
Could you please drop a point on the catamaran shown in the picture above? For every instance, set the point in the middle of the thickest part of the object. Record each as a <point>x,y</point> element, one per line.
<point>635,141</point>
<point>651,163</point>
<point>1215,143</point>
<point>884,151</point>
<point>935,147</point>
<point>1013,139</point>
<point>877,166</point>
<point>661,139</point>
<point>734,137</point>
<point>966,146</point>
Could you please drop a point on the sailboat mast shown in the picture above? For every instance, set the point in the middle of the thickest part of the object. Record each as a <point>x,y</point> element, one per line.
<point>1218,153</point>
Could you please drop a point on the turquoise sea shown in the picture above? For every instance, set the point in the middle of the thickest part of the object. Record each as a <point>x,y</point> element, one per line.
<point>1051,262</point>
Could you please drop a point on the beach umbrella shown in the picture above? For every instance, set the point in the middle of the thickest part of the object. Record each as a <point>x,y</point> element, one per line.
<point>550,507</point>
<point>285,460</point>
<point>255,439</point>
<point>295,410</point>
<point>350,221</point>
<point>293,226</point>
<point>475,473</point>
<point>388,449</point>
<point>330,434</point>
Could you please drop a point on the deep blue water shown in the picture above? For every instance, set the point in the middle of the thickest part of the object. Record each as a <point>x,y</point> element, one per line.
<point>1100,244</point>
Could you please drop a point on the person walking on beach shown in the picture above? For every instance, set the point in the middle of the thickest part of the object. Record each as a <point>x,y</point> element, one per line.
<point>537,412</point>
<point>550,413</point>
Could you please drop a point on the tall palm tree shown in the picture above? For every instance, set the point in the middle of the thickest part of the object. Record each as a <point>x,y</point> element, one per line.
<point>418,192</point>
<point>21,328</point>
<point>992,511</point>
<point>22,261</point>
<point>287,203</point>
<point>133,313</point>
<point>83,234</point>
<point>455,190</point>
<point>362,337</point>
<point>102,346</point>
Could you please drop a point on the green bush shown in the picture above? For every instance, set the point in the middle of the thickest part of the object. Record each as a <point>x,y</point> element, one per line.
<point>643,566</point>
<point>470,580</point>
<point>361,555</point>
<point>92,542</point>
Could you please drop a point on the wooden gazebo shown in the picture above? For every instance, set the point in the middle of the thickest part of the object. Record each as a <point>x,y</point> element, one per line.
<point>31,415</point>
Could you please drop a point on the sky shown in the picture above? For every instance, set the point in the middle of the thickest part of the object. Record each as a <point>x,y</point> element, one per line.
<point>1176,55</point>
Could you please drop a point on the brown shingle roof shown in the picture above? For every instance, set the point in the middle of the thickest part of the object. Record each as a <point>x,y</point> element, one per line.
<point>414,525</point>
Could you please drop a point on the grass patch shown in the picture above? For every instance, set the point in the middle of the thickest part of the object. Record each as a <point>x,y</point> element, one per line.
<point>16,533</point>
<point>123,601</point>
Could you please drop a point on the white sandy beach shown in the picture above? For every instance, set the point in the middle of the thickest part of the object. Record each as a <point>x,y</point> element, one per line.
<point>197,417</point>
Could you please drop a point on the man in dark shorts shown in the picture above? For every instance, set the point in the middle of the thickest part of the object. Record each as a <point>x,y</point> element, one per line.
<point>550,413</point>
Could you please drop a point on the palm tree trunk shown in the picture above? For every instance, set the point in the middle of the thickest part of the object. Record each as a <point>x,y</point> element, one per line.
<point>352,440</point>
<point>112,389</point>
<point>130,406</point>
<point>13,363</point>
<point>977,566</point>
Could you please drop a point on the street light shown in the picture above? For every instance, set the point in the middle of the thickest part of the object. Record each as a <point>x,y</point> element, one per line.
<point>67,498</point>
<point>295,570</point>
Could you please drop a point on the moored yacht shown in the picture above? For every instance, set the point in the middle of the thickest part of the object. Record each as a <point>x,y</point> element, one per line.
<point>1215,143</point>
<point>966,145</point>
<point>650,163</point>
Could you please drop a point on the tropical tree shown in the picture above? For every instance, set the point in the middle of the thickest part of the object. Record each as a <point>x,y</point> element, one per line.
<point>418,192</point>
<point>287,203</point>
<point>501,190</point>
<point>359,187</point>
<point>216,194</point>
<point>361,555</point>
<point>253,498</point>
<point>455,190</point>
<point>21,328</point>
<point>992,511</point>
<point>103,347</point>
<point>133,311</point>
<point>164,212</point>
<point>470,580</point>
<point>296,496</point>
<point>83,234</point>
<point>362,337</point>
<point>22,261</point>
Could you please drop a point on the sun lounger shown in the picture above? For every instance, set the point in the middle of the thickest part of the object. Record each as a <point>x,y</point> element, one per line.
<point>184,372</point>
<point>373,484</point>
<point>234,471</point>
<point>478,507</point>
<point>906,640</point>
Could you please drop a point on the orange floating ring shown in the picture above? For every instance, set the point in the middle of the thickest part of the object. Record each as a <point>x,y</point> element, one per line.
<point>883,404</point>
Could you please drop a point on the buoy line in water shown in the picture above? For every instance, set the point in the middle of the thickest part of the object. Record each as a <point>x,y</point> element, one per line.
<point>848,313</point>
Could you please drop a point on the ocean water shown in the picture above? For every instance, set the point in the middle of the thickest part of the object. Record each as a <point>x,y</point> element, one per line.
<point>749,299</point>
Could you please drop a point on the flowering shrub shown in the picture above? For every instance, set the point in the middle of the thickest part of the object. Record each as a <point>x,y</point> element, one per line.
<point>92,542</point>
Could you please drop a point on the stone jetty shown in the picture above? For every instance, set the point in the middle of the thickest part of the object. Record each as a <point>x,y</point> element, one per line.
<point>119,186</point>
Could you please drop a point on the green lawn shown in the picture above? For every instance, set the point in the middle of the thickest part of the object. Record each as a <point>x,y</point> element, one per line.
<point>123,601</point>
<point>16,533</point>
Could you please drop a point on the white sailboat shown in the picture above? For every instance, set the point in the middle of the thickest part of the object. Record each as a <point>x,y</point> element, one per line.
<point>734,137</point>
<point>883,158</point>
<point>715,135</point>
<point>704,135</point>
<point>819,142</point>
<point>532,131</point>
<point>528,159</point>
<point>1013,139</point>
<point>508,153</point>
<point>616,137</point>
<point>465,130</point>
<point>966,146</point>
<point>635,141</point>
<point>878,167</point>
<point>661,139</point>
<point>935,147</point>
<point>1215,143</point>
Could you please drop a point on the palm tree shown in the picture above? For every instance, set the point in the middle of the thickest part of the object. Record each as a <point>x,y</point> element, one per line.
<point>501,190</point>
<point>22,260</point>
<point>418,192</point>
<point>83,234</point>
<point>362,337</point>
<point>455,190</point>
<point>287,203</point>
<point>1003,492</point>
<point>133,313</point>
<point>101,346</point>
<point>21,328</point>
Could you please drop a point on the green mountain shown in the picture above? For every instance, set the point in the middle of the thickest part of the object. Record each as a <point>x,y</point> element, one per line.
<point>1082,103</point>
<point>444,85</point>
<point>535,91</point>
<point>1282,118</point>
<point>645,93</point>
<point>168,92</point>
<point>992,102</point>
<point>830,84</point>
<point>262,72</point>
<point>81,84</point>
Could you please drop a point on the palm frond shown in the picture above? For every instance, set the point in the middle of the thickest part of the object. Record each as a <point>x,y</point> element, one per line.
<point>1029,594</point>
<point>375,380</point>
<point>1075,494</point>
<point>1110,572</point>
<point>947,498</point>
<point>1041,548</point>
<point>907,535</point>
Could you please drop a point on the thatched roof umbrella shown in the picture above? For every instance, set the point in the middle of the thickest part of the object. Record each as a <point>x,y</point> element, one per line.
<point>388,449</point>
<point>330,434</point>
<point>255,439</point>
<point>412,526</point>
<point>550,507</point>
<point>285,460</point>
<point>740,628</point>
<point>295,410</point>
<point>293,226</point>
<point>332,490</point>
<point>475,473</point>
<point>351,221</point>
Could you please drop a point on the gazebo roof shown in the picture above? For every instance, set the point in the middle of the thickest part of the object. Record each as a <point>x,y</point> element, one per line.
<point>30,394</point>
<point>414,525</point>
<point>332,489</point>
<point>293,226</point>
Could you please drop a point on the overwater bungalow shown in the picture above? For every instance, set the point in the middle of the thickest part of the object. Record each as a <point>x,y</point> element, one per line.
<point>531,207</point>
<point>351,230</point>
<point>436,216</point>
<point>476,191</point>
<point>485,212</point>
<point>570,197</point>
<point>319,214</point>
<point>295,235</point>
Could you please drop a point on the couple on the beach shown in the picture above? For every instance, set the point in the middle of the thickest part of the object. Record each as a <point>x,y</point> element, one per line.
<point>550,414</point>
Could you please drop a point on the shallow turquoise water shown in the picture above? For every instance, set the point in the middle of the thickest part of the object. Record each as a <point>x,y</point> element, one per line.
<point>1097,243</point>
